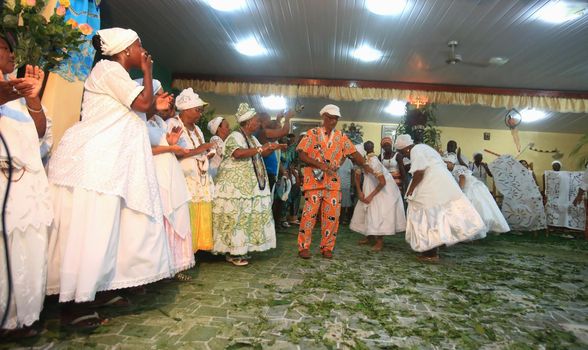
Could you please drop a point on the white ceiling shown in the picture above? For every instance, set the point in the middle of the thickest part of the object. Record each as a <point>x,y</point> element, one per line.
<point>314,38</point>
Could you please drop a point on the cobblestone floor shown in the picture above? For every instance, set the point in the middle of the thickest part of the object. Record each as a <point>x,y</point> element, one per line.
<point>505,292</point>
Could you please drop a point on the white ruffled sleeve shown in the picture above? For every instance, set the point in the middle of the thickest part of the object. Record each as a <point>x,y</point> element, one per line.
<point>422,157</point>
<point>116,82</point>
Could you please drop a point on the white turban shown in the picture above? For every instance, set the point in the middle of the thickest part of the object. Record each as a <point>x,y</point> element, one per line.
<point>189,99</point>
<point>244,113</point>
<point>451,158</point>
<point>214,124</point>
<point>403,141</point>
<point>115,40</point>
<point>156,84</point>
<point>332,110</point>
<point>556,162</point>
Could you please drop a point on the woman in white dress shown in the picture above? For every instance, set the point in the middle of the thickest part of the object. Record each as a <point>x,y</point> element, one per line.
<point>28,211</point>
<point>220,130</point>
<point>438,211</point>
<point>172,188</point>
<point>477,192</point>
<point>195,165</point>
<point>108,232</point>
<point>379,211</point>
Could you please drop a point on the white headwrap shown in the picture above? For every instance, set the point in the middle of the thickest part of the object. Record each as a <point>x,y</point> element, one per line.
<point>214,124</point>
<point>403,141</point>
<point>189,99</point>
<point>156,84</point>
<point>244,112</point>
<point>556,162</point>
<point>451,158</point>
<point>115,40</point>
<point>332,110</point>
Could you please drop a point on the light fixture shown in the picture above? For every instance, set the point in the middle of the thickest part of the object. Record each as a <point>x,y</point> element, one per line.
<point>274,102</point>
<point>396,108</point>
<point>250,47</point>
<point>532,115</point>
<point>385,7</point>
<point>226,5</point>
<point>366,53</point>
<point>559,11</point>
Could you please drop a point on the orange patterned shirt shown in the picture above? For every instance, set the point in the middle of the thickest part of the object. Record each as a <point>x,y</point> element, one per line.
<point>328,149</point>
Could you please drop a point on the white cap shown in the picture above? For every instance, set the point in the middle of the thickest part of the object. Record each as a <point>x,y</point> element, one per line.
<point>115,40</point>
<point>245,113</point>
<point>189,99</point>
<point>214,124</point>
<point>332,110</point>
<point>403,141</point>
<point>556,162</point>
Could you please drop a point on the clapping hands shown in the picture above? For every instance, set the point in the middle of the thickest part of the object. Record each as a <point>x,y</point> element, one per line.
<point>174,135</point>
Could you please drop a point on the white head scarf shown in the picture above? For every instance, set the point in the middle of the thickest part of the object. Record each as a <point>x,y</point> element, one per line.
<point>189,99</point>
<point>556,162</point>
<point>332,110</point>
<point>403,141</point>
<point>214,124</point>
<point>156,84</point>
<point>244,113</point>
<point>115,40</point>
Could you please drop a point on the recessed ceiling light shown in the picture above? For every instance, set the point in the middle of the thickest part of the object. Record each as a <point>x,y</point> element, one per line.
<point>532,115</point>
<point>396,108</point>
<point>366,53</point>
<point>250,47</point>
<point>226,5</point>
<point>385,7</point>
<point>274,102</point>
<point>560,12</point>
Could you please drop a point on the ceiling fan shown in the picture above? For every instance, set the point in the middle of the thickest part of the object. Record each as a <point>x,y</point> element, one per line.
<point>455,58</point>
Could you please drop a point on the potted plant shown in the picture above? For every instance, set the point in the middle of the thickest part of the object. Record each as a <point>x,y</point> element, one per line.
<point>39,41</point>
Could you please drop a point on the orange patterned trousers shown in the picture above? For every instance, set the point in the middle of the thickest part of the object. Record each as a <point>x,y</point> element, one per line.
<point>329,204</point>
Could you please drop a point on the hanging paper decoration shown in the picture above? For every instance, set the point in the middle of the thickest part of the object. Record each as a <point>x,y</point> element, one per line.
<point>85,15</point>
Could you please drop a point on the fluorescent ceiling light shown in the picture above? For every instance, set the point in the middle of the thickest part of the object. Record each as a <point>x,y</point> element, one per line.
<point>226,5</point>
<point>532,115</point>
<point>396,108</point>
<point>559,12</point>
<point>250,47</point>
<point>366,53</point>
<point>385,7</point>
<point>274,102</point>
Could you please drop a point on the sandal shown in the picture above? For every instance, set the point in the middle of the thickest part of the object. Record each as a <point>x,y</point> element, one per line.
<point>116,301</point>
<point>237,261</point>
<point>182,277</point>
<point>86,322</point>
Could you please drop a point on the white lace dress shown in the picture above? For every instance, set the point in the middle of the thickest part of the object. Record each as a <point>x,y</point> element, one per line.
<point>108,231</point>
<point>28,216</point>
<point>385,214</point>
<point>438,211</point>
<point>478,194</point>
<point>522,205</point>
<point>174,196</point>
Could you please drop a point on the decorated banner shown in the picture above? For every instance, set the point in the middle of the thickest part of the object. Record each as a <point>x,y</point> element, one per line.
<point>84,15</point>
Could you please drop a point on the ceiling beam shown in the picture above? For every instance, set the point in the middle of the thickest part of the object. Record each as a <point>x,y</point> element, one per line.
<point>388,85</point>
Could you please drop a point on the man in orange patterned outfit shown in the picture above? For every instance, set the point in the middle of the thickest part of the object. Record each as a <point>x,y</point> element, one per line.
<point>323,149</point>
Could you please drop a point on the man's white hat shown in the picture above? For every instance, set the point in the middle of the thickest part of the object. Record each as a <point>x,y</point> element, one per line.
<point>332,110</point>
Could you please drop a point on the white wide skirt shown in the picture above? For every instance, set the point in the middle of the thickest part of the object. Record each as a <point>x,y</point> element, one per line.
<point>384,216</point>
<point>486,206</point>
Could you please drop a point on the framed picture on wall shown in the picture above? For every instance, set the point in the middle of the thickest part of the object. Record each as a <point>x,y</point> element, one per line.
<point>297,127</point>
<point>389,130</point>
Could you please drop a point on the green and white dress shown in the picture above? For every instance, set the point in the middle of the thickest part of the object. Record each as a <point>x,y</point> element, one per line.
<point>242,207</point>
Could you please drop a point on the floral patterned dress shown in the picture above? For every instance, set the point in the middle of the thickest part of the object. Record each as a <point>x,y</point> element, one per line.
<point>242,214</point>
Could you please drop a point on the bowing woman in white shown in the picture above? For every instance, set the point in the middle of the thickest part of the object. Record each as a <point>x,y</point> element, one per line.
<point>477,192</point>
<point>438,212</point>
<point>108,231</point>
<point>172,188</point>
<point>28,211</point>
<point>379,211</point>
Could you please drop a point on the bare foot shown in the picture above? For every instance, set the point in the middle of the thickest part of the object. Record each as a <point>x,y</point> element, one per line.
<point>379,245</point>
